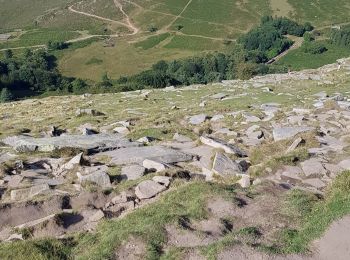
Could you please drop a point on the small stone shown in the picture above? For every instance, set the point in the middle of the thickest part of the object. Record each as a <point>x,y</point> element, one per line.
<point>164,180</point>
<point>295,144</point>
<point>181,138</point>
<point>97,216</point>
<point>146,140</point>
<point>219,144</point>
<point>219,96</point>
<point>244,181</point>
<point>154,165</point>
<point>75,161</point>
<point>121,130</point>
<point>198,119</point>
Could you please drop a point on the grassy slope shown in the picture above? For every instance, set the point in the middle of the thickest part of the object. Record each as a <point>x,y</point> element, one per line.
<point>299,60</point>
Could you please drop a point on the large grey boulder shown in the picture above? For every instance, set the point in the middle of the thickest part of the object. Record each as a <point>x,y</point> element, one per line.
<point>148,189</point>
<point>220,144</point>
<point>224,166</point>
<point>154,165</point>
<point>283,133</point>
<point>27,193</point>
<point>136,155</point>
<point>97,175</point>
<point>291,173</point>
<point>181,138</point>
<point>98,141</point>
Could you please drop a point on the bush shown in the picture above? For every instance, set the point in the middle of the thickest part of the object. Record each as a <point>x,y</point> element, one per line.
<point>5,95</point>
<point>314,47</point>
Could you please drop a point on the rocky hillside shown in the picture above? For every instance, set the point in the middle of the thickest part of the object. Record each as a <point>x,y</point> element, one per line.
<point>217,171</point>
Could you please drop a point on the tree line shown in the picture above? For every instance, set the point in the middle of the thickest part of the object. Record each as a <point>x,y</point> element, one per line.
<point>36,73</point>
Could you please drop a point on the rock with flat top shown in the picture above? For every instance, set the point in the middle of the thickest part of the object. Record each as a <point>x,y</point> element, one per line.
<point>148,189</point>
<point>198,119</point>
<point>313,167</point>
<point>133,172</point>
<point>164,180</point>
<point>75,161</point>
<point>136,155</point>
<point>295,144</point>
<point>91,142</point>
<point>220,144</point>
<point>97,175</point>
<point>97,216</point>
<point>154,165</point>
<point>283,133</point>
<point>27,193</point>
<point>315,182</point>
<point>181,138</point>
<point>291,173</point>
<point>345,164</point>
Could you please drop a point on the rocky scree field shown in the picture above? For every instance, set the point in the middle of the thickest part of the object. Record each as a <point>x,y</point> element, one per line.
<point>233,170</point>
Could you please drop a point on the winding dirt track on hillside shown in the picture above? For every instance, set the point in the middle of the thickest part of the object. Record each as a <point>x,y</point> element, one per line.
<point>130,25</point>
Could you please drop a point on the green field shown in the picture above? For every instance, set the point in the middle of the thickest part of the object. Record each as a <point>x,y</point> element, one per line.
<point>299,60</point>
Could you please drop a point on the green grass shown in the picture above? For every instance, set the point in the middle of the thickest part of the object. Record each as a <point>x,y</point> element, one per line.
<point>152,41</point>
<point>39,37</point>
<point>316,217</point>
<point>193,43</point>
<point>41,249</point>
<point>299,60</point>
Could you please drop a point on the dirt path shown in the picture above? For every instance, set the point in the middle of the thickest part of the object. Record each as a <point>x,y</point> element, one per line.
<point>26,47</point>
<point>130,25</point>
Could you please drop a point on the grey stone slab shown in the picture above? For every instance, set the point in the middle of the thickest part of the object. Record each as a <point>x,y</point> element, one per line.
<point>98,141</point>
<point>148,189</point>
<point>136,155</point>
<point>224,166</point>
<point>282,133</point>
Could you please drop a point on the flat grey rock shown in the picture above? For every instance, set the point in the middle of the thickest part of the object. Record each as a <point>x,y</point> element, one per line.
<point>27,193</point>
<point>154,165</point>
<point>283,133</point>
<point>133,172</point>
<point>198,119</point>
<point>97,175</point>
<point>98,141</point>
<point>219,96</point>
<point>313,167</point>
<point>136,155</point>
<point>181,138</point>
<point>224,166</point>
<point>316,183</point>
<point>291,173</point>
<point>148,189</point>
<point>163,180</point>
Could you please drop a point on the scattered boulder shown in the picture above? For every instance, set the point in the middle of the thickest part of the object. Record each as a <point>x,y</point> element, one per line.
<point>313,167</point>
<point>121,130</point>
<point>315,182</point>
<point>27,193</point>
<point>283,133</point>
<point>219,96</point>
<point>133,172</point>
<point>75,161</point>
<point>97,175</point>
<point>181,138</point>
<point>97,216</point>
<point>88,111</point>
<point>220,144</point>
<point>244,181</point>
<point>224,166</point>
<point>198,119</point>
<point>154,165</point>
<point>146,140</point>
<point>163,180</point>
<point>291,173</point>
<point>148,189</point>
<point>295,144</point>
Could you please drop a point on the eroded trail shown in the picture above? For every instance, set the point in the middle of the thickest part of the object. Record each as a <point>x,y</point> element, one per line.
<point>130,25</point>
